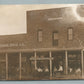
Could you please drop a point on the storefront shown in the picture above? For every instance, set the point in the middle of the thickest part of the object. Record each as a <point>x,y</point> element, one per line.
<point>41,65</point>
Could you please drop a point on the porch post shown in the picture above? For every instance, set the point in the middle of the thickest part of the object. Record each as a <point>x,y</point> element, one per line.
<point>66,63</point>
<point>35,61</point>
<point>50,54</point>
<point>82,63</point>
<point>6,66</point>
<point>20,64</point>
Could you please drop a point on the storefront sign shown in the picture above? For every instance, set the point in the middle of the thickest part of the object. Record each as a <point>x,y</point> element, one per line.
<point>12,45</point>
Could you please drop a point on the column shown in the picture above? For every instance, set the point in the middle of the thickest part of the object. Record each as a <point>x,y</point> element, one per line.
<point>6,66</point>
<point>20,64</point>
<point>66,63</point>
<point>35,61</point>
<point>82,63</point>
<point>50,54</point>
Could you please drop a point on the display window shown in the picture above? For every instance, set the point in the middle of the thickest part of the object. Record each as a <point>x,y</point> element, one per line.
<point>74,63</point>
<point>27,66</point>
<point>58,64</point>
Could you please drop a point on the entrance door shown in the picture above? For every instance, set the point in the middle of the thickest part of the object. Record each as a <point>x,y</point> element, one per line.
<point>13,66</point>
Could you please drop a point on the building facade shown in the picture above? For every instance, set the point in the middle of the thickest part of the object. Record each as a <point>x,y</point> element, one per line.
<point>52,49</point>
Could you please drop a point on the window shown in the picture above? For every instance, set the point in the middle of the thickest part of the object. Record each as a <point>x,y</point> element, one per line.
<point>74,63</point>
<point>70,34</point>
<point>55,38</point>
<point>27,65</point>
<point>58,64</point>
<point>40,35</point>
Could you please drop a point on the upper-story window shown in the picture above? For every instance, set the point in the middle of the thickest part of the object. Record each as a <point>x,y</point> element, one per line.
<point>70,33</point>
<point>55,38</point>
<point>40,35</point>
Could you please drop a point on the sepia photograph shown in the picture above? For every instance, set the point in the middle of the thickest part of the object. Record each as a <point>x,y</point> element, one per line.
<point>42,42</point>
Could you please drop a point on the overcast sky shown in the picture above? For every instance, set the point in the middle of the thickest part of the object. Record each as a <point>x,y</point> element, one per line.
<point>13,17</point>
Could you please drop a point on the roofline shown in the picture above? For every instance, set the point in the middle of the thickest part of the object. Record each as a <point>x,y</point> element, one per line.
<point>14,34</point>
<point>48,9</point>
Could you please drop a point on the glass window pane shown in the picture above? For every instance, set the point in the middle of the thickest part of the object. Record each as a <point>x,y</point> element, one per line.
<point>70,31</point>
<point>43,69</point>
<point>40,35</point>
<point>58,64</point>
<point>55,36</point>
<point>70,34</point>
<point>55,43</point>
<point>28,66</point>
<point>42,54</point>
<point>70,37</point>
<point>74,63</point>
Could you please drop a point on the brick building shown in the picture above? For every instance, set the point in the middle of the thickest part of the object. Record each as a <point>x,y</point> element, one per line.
<point>51,49</point>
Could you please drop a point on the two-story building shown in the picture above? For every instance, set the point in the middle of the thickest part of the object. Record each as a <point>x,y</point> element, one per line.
<point>52,48</point>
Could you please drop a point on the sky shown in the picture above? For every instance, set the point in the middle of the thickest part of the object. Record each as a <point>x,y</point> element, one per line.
<point>13,17</point>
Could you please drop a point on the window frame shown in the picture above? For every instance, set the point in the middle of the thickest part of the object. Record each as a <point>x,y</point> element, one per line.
<point>39,36</point>
<point>69,34</point>
<point>56,31</point>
